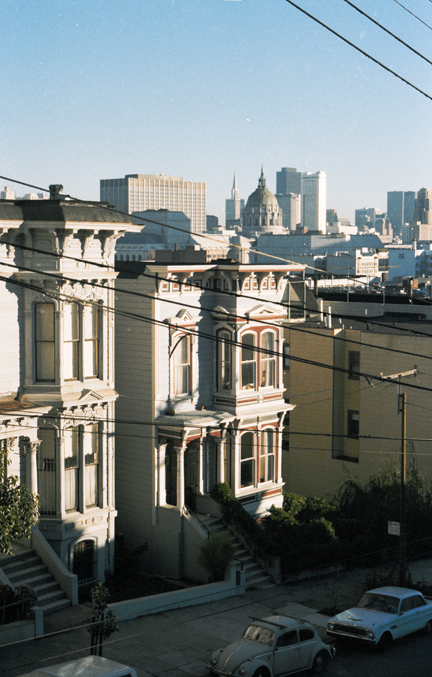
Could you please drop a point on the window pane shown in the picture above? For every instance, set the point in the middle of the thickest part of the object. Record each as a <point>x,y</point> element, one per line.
<point>247,462</point>
<point>46,462</point>
<point>45,342</point>
<point>91,341</point>
<point>91,460</point>
<point>182,367</point>
<point>248,366</point>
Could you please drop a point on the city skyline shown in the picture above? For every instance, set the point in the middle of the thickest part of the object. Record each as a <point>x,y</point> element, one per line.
<point>205,89</point>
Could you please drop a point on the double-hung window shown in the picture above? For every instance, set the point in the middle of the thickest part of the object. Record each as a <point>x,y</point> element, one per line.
<point>81,467</point>
<point>267,360</point>
<point>182,366</point>
<point>224,358</point>
<point>71,341</point>
<point>81,339</point>
<point>91,341</point>
<point>247,460</point>
<point>45,341</point>
<point>267,455</point>
<point>46,465</point>
<point>248,362</point>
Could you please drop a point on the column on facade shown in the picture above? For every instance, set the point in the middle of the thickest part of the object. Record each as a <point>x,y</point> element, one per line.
<point>160,470</point>
<point>180,451</point>
<point>220,451</point>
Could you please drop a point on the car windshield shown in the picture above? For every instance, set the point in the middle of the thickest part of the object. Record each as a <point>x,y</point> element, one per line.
<point>260,634</point>
<point>376,602</point>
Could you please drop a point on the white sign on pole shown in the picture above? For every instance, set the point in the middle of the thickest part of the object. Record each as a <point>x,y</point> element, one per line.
<point>394,528</point>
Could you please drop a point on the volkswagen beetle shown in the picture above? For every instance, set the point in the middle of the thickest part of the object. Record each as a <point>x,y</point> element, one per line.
<point>272,647</point>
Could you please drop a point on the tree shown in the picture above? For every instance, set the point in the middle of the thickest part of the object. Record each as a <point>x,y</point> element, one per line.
<point>103,621</point>
<point>19,508</point>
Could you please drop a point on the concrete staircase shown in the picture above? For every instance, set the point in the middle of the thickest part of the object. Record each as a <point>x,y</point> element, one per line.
<point>255,576</point>
<point>28,569</point>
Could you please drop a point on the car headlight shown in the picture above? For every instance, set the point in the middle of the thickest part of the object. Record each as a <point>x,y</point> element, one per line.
<point>370,634</point>
<point>330,626</point>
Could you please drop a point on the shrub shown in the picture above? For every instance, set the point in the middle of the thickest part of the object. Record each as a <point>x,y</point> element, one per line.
<point>215,554</point>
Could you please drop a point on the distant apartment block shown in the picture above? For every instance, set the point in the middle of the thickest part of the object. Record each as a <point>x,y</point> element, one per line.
<point>140,192</point>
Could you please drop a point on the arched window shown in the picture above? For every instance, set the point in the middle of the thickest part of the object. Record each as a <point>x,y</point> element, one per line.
<point>181,365</point>
<point>224,361</point>
<point>268,360</point>
<point>267,455</point>
<point>84,560</point>
<point>247,460</point>
<point>248,362</point>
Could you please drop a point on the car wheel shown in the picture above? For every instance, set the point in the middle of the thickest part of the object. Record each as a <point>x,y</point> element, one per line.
<point>320,662</point>
<point>427,630</point>
<point>261,672</point>
<point>385,642</point>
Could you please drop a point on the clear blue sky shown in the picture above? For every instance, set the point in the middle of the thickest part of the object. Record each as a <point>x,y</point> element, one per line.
<point>94,89</point>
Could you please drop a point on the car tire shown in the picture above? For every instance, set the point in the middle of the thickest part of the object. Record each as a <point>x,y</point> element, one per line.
<point>261,672</point>
<point>427,630</point>
<point>320,663</point>
<point>385,642</point>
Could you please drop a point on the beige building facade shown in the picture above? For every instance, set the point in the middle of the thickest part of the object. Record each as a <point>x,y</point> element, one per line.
<point>347,423</point>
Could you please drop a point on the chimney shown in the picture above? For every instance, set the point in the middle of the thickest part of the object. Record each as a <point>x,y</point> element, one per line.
<point>55,190</point>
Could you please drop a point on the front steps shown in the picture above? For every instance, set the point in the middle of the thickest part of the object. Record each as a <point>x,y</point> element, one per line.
<point>28,569</point>
<point>255,576</point>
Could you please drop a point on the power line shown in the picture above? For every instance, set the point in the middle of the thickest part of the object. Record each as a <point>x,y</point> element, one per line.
<point>360,11</point>
<point>351,44</point>
<point>414,15</point>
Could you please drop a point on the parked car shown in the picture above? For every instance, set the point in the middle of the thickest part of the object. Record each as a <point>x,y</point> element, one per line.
<point>382,615</point>
<point>272,647</point>
<point>90,666</point>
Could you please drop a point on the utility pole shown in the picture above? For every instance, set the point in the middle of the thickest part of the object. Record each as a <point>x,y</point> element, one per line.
<point>402,410</point>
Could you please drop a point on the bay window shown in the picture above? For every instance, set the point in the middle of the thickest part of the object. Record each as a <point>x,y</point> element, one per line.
<point>71,341</point>
<point>81,467</point>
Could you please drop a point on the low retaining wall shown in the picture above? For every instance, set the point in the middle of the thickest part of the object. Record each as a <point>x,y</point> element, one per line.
<point>16,632</point>
<point>234,584</point>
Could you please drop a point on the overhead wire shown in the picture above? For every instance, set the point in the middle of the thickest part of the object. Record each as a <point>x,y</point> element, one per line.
<point>386,30</point>
<point>362,51</point>
<point>412,14</point>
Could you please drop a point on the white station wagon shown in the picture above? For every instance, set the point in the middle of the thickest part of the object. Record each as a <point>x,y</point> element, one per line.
<point>272,647</point>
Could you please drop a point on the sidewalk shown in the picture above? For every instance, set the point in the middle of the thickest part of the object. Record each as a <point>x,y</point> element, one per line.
<point>178,643</point>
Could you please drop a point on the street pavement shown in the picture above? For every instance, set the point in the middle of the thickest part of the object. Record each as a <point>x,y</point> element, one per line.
<point>178,643</point>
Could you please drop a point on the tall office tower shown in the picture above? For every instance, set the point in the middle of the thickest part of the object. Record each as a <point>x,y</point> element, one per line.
<point>290,206</point>
<point>288,180</point>
<point>423,207</point>
<point>234,207</point>
<point>139,192</point>
<point>314,201</point>
<point>400,208</point>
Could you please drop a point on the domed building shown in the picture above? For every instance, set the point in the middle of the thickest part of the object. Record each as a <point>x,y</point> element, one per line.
<point>262,214</point>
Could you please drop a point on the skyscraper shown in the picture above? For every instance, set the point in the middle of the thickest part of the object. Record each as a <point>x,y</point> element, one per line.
<point>288,180</point>
<point>139,192</point>
<point>234,207</point>
<point>314,201</point>
<point>400,208</point>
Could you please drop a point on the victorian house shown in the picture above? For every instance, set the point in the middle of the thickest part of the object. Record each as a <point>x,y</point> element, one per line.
<point>199,372</point>
<point>57,373</point>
